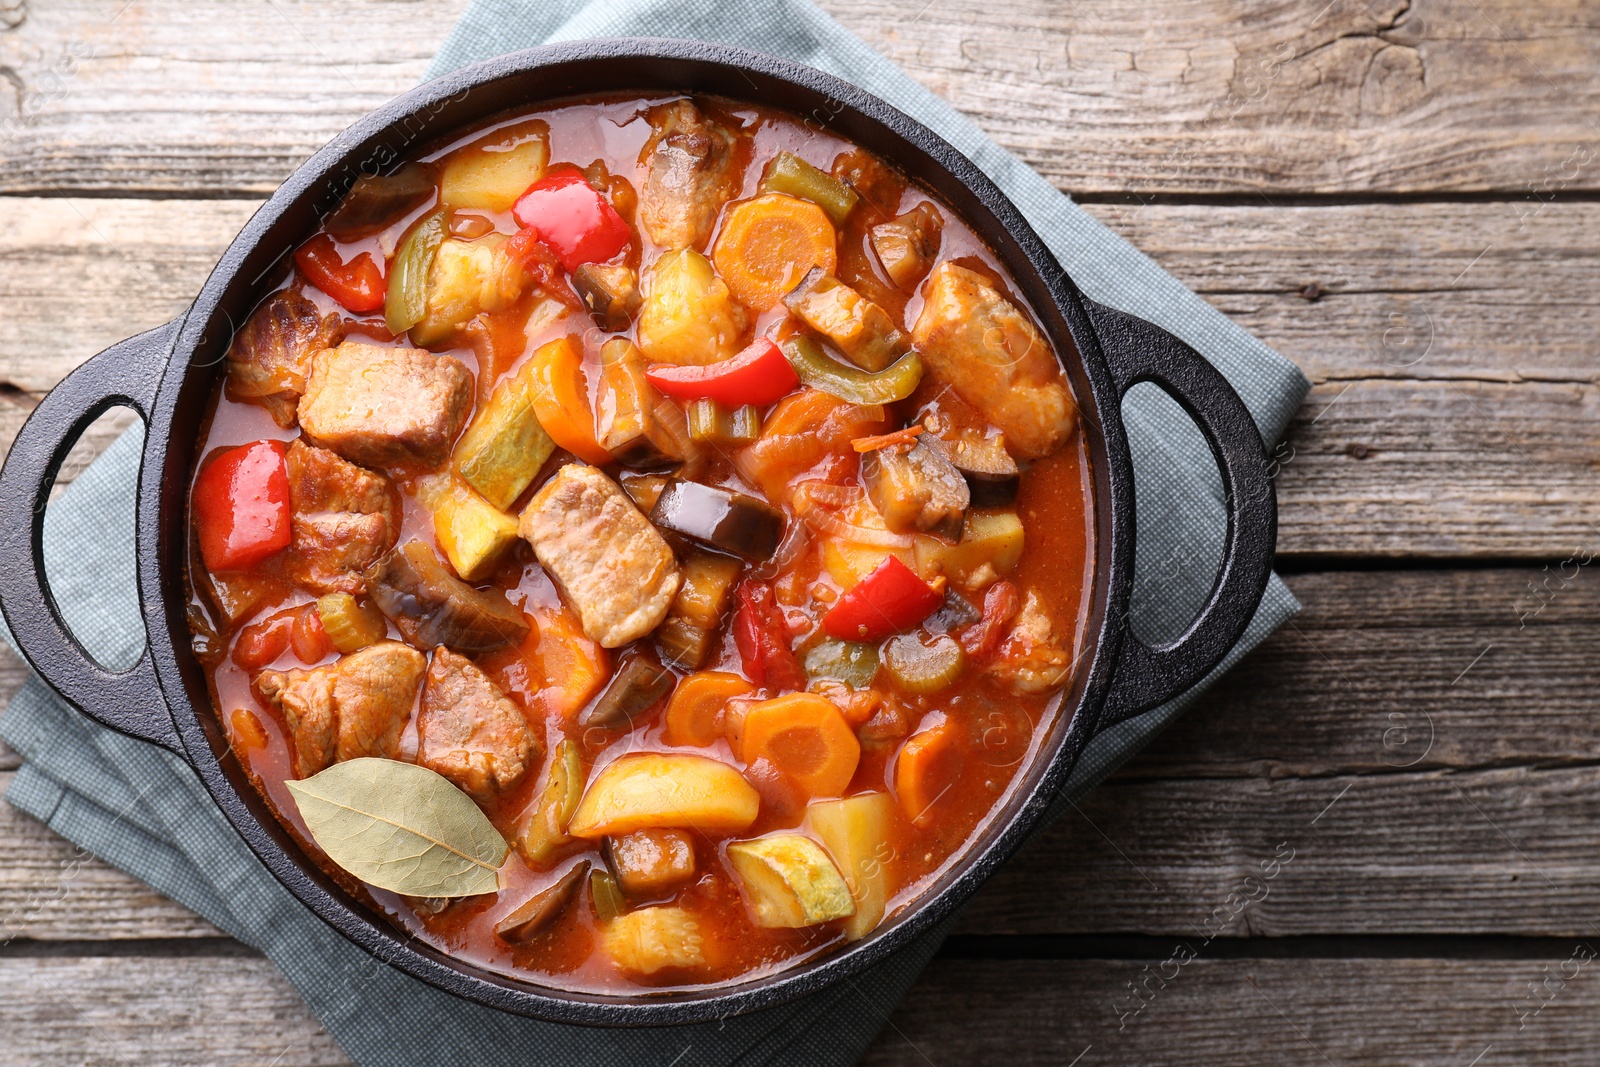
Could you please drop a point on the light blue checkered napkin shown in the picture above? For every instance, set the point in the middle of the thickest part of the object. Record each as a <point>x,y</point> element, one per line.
<point>144,811</point>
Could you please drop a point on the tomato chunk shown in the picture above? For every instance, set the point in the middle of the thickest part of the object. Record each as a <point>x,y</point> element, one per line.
<point>890,599</point>
<point>763,639</point>
<point>578,224</point>
<point>358,285</point>
<point>759,375</point>
<point>241,506</point>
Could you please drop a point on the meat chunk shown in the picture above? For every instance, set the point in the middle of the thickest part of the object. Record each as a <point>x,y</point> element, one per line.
<point>1032,657</point>
<point>916,487</point>
<point>270,356</point>
<point>469,731</point>
<point>690,176</point>
<point>344,518</point>
<point>386,407</point>
<point>354,707</point>
<point>612,565</point>
<point>979,343</point>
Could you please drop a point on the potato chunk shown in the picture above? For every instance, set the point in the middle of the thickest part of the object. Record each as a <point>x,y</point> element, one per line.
<point>472,533</point>
<point>492,172</point>
<point>653,939</point>
<point>856,833</point>
<point>688,316</point>
<point>468,277</point>
<point>790,882</point>
<point>653,789</point>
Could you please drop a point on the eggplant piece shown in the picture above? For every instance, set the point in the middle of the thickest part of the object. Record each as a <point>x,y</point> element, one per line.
<point>377,201</point>
<point>628,406</point>
<point>543,908</point>
<point>993,477</point>
<point>957,612</point>
<point>727,521</point>
<point>916,488</point>
<point>433,607</point>
<point>862,330</point>
<point>908,244</point>
<point>644,489</point>
<point>605,897</point>
<point>639,685</point>
<point>684,639</point>
<point>610,292</point>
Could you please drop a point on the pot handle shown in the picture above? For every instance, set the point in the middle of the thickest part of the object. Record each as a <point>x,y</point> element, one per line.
<point>1138,351</point>
<point>128,701</point>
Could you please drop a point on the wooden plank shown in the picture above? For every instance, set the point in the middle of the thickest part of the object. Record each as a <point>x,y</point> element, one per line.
<point>1510,849</point>
<point>1390,670</point>
<point>1428,459</point>
<point>50,889</point>
<point>1441,469</point>
<point>1493,291</point>
<point>99,1011</point>
<point>1229,96</point>
<point>1242,1013</point>
<point>1196,97</point>
<point>1247,1013</point>
<point>1413,291</point>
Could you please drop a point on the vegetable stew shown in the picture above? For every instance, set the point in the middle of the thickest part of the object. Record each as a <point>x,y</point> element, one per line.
<point>636,544</point>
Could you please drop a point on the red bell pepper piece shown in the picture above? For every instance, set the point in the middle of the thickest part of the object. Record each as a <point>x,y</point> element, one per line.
<point>241,506</point>
<point>358,285</point>
<point>763,639</point>
<point>889,600</point>
<point>759,375</point>
<point>572,218</point>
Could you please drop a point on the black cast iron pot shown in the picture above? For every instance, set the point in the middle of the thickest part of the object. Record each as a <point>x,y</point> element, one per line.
<point>168,373</point>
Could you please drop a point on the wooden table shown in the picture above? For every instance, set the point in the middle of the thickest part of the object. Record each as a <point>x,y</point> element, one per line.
<point>1401,196</point>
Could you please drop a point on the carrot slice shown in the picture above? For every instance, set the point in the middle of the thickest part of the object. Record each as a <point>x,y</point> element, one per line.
<point>928,766</point>
<point>906,436</point>
<point>556,667</point>
<point>560,397</point>
<point>806,737</point>
<point>768,243</point>
<point>694,714</point>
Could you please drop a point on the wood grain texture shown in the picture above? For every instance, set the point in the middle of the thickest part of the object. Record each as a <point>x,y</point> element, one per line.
<point>1482,446</point>
<point>238,1012</point>
<point>1497,292</point>
<point>1384,671</point>
<point>1244,1013</point>
<point>1114,99</point>
<point>99,1011</point>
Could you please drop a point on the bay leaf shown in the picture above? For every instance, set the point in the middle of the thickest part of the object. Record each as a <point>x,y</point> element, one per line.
<point>401,827</point>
